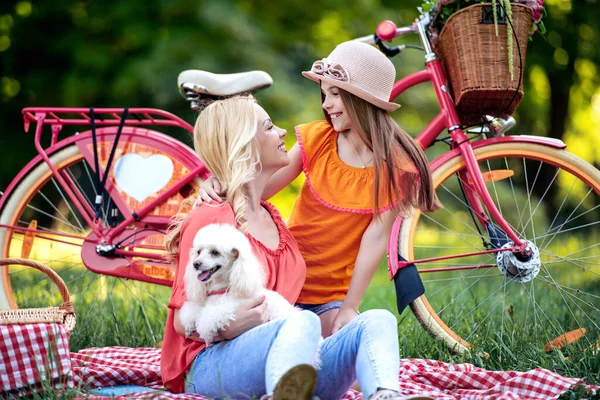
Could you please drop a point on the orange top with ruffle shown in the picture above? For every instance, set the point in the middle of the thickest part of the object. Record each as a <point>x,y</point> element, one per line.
<point>334,209</point>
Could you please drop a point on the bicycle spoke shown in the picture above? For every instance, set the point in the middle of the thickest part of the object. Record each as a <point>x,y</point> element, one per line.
<point>540,310</point>
<point>553,234</point>
<point>489,314</point>
<point>494,186</point>
<point>65,219</point>
<point>29,206</point>
<point>83,193</point>
<point>529,189</point>
<point>514,194</point>
<point>67,203</point>
<point>540,201</point>
<point>543,244</point>
<point>459,278</point>
<point>463,235</point>
<point>567,256</point>
<point>472,210</point>
<point>482,302</point>
<point>561,292</point>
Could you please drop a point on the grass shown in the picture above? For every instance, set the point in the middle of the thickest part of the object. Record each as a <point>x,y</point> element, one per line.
<point>127,313</point>
<point>115,319</point>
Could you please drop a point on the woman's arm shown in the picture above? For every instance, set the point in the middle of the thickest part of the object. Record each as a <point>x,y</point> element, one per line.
<point>285,175</point>
<point>250,314</point>
<point>372,248</point>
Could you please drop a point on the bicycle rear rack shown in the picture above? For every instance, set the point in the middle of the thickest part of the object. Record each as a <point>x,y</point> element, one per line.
<point>59,116</point>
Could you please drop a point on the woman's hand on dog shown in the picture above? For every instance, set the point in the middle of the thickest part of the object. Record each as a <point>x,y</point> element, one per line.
<point>251,314</point>
<point>209,191</point>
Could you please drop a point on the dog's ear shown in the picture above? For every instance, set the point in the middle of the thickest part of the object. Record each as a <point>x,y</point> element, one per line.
<point>235,253</point>
<point>247,276</point>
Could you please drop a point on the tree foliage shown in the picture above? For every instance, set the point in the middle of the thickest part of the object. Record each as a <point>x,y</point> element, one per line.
<point>93,53</point>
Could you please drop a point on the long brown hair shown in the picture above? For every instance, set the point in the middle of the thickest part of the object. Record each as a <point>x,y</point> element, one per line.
<point>401,168</point>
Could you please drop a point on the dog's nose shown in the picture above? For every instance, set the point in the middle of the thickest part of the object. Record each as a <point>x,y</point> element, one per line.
<point>197,265</point>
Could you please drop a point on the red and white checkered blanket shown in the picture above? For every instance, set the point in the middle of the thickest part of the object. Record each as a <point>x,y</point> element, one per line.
<point>31,353</point>
<point>111,366</point>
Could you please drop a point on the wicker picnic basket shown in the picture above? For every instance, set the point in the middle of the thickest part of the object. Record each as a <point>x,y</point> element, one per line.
<point>476,61</point>
<point>62,314</point>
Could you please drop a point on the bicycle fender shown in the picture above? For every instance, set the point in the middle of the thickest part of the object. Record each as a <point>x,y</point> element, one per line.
<point>550,142</point>
<point>172,145</point>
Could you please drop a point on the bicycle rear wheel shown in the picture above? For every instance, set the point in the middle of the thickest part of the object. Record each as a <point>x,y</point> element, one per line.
<point>110,310</point>
<point>551,199</point>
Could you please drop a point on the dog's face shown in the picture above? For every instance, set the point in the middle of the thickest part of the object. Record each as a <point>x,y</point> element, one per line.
<point>212,262</point>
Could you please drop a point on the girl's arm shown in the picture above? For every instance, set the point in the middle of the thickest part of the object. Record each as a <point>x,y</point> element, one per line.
<point>372,248</point>
<point>210,189</point>
<point>285,175</point>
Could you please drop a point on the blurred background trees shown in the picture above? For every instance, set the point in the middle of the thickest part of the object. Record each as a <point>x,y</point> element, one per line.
<point>129,53</point>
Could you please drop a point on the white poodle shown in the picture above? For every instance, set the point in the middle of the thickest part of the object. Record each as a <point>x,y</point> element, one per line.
<point>221,274</point>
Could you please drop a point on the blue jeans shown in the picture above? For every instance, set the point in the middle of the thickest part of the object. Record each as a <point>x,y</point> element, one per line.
<point>321,308</point>
<point>251,365</point>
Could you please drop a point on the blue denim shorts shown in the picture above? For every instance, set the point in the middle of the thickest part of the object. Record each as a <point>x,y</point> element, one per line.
<point>320,308</point>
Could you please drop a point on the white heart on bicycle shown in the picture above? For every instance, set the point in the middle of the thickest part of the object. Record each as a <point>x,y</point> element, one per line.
<point>140,177</point>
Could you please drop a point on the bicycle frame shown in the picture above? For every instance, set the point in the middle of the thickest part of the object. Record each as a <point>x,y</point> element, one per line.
<point>477,194</point>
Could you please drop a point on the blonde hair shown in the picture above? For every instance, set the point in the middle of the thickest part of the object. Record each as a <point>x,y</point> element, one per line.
<point>224,138</point>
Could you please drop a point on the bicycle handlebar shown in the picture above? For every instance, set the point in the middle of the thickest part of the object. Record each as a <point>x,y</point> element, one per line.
<point>386,31</point>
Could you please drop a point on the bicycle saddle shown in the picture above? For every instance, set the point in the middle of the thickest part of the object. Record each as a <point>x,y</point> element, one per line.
<point>203,83</point>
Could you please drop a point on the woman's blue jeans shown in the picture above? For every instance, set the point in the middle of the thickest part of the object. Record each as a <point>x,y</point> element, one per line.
<point>251,365</point>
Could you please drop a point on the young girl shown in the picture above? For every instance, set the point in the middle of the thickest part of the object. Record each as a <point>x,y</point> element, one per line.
<point>362,171</point>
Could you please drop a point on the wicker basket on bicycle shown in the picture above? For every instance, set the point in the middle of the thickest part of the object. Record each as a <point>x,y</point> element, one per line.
<point>476,60</point>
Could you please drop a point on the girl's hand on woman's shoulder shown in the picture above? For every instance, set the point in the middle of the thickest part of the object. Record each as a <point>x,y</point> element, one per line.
<point>250,315</point>
<point>209,191</point>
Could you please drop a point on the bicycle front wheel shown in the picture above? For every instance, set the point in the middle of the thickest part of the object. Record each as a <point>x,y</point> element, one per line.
<point>551,199</point>
<point>110,310</point>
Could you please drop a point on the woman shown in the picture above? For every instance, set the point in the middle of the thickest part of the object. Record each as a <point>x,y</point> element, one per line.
<point>243,149</point>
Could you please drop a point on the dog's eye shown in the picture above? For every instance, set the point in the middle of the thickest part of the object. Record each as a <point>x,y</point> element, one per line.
<point>214,253</point>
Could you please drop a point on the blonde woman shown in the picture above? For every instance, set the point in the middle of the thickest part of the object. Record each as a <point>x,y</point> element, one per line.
<point>240,145</point>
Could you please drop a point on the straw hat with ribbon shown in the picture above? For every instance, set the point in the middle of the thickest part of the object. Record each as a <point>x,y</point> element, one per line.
<point>360,69</point>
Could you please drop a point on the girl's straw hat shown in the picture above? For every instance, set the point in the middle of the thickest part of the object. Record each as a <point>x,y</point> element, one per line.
<point>359,69</point>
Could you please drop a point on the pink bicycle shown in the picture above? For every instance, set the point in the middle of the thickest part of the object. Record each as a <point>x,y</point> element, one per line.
<point>514,253</point>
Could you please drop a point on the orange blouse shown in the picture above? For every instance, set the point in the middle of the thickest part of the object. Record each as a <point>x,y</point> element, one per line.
<point>334,209</point>
<point>284,266</point>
